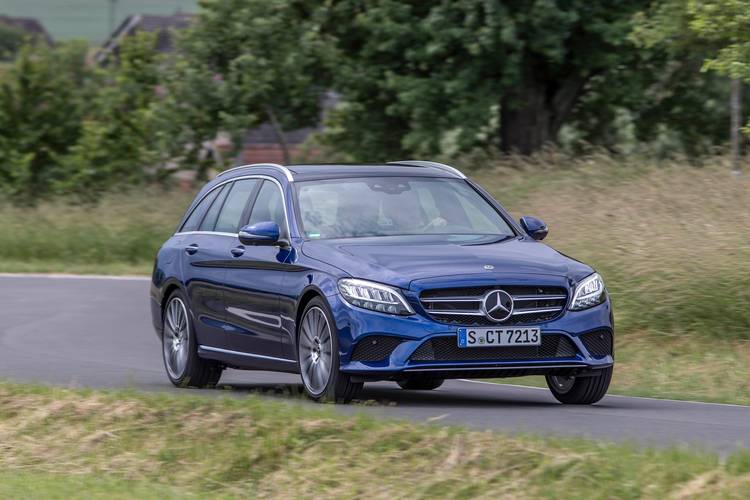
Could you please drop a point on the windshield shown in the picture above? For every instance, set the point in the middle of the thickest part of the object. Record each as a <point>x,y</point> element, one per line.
<point>396,206</point>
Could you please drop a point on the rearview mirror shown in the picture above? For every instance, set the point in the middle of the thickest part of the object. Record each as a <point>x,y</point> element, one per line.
<point>534,228</point>
<point>260,234</point>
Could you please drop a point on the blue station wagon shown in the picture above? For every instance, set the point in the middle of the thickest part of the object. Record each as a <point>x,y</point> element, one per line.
<point>406,271</point>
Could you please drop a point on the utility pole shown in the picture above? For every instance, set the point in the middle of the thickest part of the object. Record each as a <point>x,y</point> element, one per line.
<point>735,112</point>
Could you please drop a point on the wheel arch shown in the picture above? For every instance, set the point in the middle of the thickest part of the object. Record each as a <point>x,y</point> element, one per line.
<point>168,290</point>
<point>307,295</point>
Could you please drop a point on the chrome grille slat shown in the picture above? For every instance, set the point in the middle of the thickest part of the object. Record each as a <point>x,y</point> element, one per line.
<point>458,311</point>
<point>454,299</point>
<point>536,311</point>
<point>521,298</point>
<point>463,306</point>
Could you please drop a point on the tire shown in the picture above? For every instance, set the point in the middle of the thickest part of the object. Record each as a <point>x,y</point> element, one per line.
<point>180,349</point>
<point>580,390</point>
<point>318,356</point>
<point>420,383</point>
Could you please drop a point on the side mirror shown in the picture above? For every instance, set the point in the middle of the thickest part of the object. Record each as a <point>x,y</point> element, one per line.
<point>260,234</point>
<point>534,228</point>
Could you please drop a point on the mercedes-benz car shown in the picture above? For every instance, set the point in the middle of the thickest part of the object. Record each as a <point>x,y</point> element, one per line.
<point>407,272</point>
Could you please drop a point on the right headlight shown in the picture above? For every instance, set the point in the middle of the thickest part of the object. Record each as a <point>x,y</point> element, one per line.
<point>589,292</point>
<point>374,296</point>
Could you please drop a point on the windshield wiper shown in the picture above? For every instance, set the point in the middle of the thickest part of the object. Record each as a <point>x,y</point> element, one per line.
<point>499,239</point>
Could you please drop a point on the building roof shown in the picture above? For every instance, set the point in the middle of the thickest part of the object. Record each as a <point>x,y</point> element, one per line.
<point>29,25</point>
<point>162,25</point>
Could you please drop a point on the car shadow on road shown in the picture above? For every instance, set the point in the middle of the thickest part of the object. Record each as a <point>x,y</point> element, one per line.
<point>382,395</point>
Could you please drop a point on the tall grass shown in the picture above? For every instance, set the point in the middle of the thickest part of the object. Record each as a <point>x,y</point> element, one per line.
<point>122,445</point>
<point>122,232</point>
<point>670,239</point>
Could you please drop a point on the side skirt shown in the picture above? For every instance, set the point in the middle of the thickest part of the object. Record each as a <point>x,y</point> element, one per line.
<point>248,361</point>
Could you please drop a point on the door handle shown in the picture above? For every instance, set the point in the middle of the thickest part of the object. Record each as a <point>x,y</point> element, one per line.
<point>238,251</point>
<point>190,250</point>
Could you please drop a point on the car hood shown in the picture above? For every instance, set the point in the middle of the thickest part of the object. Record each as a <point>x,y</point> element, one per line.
<point>398,263</point>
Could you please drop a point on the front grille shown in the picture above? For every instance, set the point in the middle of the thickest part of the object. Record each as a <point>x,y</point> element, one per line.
<point>598,343</point>
<point>446,349</point>
<point>462,306</point>
<point>375,348</point>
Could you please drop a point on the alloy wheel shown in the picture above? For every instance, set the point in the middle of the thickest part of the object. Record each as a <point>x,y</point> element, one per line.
<point>315,350</point>
<point>175,342</point>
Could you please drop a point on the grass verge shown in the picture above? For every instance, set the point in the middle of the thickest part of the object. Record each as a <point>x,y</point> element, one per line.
<point>60,443</point>
<point>666,236</point>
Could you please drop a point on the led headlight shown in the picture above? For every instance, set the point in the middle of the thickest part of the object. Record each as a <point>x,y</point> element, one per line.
<point>589,293</point>
<point>374,296</point>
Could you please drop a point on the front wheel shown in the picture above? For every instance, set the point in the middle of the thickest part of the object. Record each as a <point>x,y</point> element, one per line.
<point>318,355</point>
<point>580,390</point>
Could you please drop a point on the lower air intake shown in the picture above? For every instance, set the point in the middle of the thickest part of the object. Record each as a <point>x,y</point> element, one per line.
<point>446,349</point>
<point>598,343</point>
<point>375,348</point>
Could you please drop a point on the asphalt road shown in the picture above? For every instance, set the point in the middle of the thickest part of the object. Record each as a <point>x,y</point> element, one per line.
<point>90,332</point>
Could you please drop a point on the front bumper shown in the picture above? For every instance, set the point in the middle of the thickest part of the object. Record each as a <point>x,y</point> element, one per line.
<point>358,325</point>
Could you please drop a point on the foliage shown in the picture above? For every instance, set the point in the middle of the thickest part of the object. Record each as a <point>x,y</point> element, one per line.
<point>263,66</point>
<point>420,76</point>
<point>117,142</point>
<point>725,23</point>
<point>43,96</point>
<point>11,39</point>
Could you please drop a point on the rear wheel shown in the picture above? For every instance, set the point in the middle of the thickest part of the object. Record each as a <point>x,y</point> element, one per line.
<point>420,383</point>
<point>580,390</point>
<point>318,355</point>
<point>180,349</point>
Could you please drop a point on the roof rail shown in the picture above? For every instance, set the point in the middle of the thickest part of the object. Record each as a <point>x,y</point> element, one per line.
<point>433,164</point>
<point>282,168</point>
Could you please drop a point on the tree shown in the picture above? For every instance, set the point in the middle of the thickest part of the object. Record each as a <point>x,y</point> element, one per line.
<point>42,101</point>
<point>11,40</point>
<point>416,74</point>
<point>251,61</point>
<point>119,136</point>
<point>727,24</point>
<point>716,30</point>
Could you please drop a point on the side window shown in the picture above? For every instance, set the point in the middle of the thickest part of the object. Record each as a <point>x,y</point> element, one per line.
<point>196,216</point>
<point>269,206</point>
<point>209,221</point>
<point>235,205</point>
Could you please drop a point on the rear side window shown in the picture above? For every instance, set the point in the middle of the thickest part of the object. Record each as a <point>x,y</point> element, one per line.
<point>209,221</point>
<point>196,216</point>
<point>269,206</point>
<point>235,205</point>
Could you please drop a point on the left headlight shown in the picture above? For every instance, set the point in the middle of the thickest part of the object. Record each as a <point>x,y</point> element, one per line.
<point>589,293</point>
<point>374,296</point>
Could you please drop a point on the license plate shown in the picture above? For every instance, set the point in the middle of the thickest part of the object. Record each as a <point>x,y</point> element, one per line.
<point>487,337</point>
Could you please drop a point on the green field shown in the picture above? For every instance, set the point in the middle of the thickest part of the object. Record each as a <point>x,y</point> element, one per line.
<point>60,444</point>
<point>89,19</point>
<point>668,239</point>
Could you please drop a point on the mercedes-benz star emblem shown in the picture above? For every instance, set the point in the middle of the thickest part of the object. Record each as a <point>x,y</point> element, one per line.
<point>489,267</point>
<point>497,305</point>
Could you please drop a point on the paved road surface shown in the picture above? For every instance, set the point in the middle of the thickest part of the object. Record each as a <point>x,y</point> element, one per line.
<point>97,333</point>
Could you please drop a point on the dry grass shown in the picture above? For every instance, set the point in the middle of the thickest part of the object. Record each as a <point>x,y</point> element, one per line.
<point>669,238</point>
<point>131,445</point>
<point>670,242</point>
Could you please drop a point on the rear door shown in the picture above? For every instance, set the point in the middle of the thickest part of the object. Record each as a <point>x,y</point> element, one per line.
<point>255,282</point>
<point>202,270</point>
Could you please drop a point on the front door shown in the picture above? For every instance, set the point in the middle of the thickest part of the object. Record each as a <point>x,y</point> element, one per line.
<point>254,283</point>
